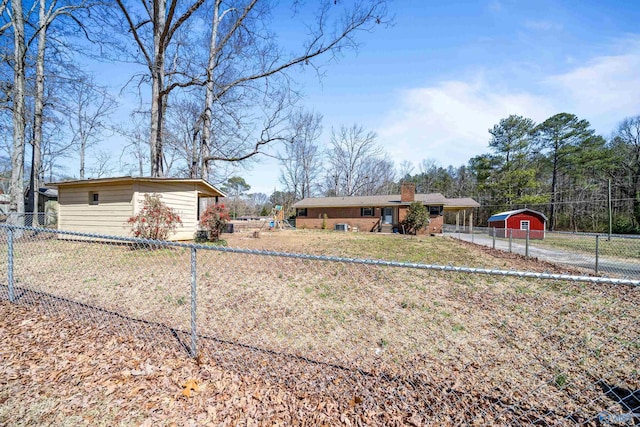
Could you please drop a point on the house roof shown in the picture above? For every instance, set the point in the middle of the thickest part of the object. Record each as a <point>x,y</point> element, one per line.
<point>366,201</point>
<point>206,188</point>
<point>502,216</point>
<point>461,202</point>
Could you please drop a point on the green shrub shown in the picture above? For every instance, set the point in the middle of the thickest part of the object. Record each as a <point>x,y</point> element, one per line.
<point>155,220</point>
<point>623,225</point>
<point>417,218</point>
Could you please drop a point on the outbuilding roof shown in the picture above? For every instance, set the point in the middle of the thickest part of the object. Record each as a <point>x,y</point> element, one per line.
<point>206,188</point>
<point>502,216</point>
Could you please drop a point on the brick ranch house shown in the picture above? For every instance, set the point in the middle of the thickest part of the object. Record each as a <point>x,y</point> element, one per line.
<point>377,213</point>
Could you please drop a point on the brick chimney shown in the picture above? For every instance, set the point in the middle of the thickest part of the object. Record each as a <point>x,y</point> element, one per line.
<point>407,192</point>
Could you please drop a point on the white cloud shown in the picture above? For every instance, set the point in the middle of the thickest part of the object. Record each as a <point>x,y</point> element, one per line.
<point>450,122</point>
<point>604,90</point>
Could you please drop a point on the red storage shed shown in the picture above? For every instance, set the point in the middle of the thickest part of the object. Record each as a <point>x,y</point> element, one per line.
<point>519,221</point>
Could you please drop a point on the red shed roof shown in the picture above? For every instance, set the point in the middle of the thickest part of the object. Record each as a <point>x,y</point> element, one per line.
<point>502,216</point>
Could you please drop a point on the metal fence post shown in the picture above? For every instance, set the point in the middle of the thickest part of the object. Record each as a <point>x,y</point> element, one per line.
<point>510,237</point>
<point>10,285</point>
<point>597,250</point>
<point>194,349</point>
<point>494,237</point>
<point>526,246</point>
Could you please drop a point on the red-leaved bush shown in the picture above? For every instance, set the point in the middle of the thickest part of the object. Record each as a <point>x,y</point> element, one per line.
<point>214,220</point>
<point>155,220</point>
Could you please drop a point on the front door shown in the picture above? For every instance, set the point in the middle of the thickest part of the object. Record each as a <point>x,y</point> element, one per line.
<point>387,215</point>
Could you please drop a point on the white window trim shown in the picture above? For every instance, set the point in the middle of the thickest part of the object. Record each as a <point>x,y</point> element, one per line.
<point>522,225</point>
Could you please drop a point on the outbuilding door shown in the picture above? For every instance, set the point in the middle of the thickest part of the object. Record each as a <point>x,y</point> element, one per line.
<point>387,215</point>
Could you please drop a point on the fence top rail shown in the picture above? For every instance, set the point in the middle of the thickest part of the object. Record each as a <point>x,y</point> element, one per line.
<point>479,228</point>
<point>383,263</point>
<point>617,236</point>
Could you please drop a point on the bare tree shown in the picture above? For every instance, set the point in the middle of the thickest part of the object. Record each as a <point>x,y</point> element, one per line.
<point>405,169</point>
<point>353,157</point>
<point>136,148</point>
<point>302,160</point>
<point>89,105</point>
<point>54,147</point>
<point>259,202</point>
<point>243,58</point>
<point>183,135</point>
<point>625,146</point>
<point>47,14</point>
<point>383,178</point>
<point>29,32</point>
<point>102,165</point>
<point>240,42</point>
<point>160,19</point>
<point>428,175</point>
<point>16,186</point>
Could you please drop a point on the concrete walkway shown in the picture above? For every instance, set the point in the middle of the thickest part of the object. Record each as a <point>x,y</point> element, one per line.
<point>618,268</point>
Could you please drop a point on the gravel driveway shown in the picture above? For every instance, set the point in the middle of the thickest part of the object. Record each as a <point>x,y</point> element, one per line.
<point>609,266</point>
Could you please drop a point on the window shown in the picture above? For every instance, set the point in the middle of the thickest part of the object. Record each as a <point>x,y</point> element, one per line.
<point>524,225</point>
<point>435,210</point>
<point>366,211</point>
<point>301,212</point>
<point>93,198</point>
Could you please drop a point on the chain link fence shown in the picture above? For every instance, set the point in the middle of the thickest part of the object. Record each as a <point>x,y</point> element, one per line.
<point>39,219</point>
<point>606,255</point>
<point>396,343</point>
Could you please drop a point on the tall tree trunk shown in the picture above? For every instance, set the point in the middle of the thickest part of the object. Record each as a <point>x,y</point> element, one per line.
<point>208,99</point>
<point>554,185</point>
<point>635,182</point>
<point>193,152</point>
<point>38,110</point>
<point>83,148</point>
<point>16,186</point>
<point>157,87</point>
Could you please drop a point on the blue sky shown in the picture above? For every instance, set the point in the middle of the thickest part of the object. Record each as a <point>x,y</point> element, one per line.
<point>432,84</point>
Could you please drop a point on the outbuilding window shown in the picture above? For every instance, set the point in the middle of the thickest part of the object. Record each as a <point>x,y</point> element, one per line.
<point>301,212</point>
<point>93,198</point>
<point>524,225</point>
<point>366,211</point>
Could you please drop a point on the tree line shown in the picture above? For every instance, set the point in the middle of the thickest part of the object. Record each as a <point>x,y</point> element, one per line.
<point>561,167</point>
<point>215,86</point>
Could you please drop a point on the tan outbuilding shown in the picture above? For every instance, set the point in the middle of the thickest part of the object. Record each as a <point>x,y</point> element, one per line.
<point>103,206</point>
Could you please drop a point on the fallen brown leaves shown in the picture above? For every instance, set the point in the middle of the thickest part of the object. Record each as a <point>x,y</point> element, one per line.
<point>189,387</point>
<point>94,378</point>
<point>56,371</point>
<point>295,343</point>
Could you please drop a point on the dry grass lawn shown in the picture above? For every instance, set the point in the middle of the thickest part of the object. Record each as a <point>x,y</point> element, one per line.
<point>100,332</point>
